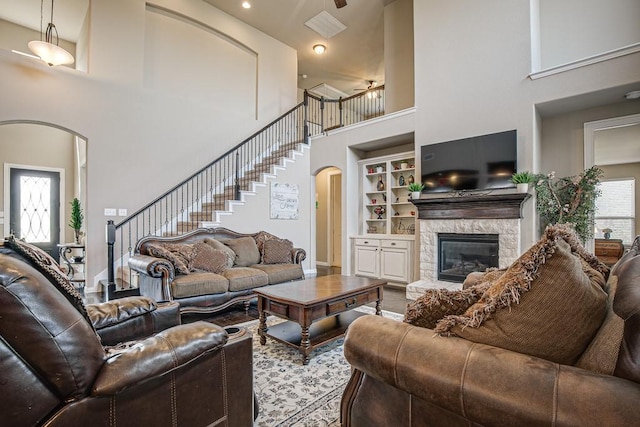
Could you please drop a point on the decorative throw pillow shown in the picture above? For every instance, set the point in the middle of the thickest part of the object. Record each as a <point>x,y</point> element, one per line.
<point>277,251</point>
<point>246,251</point>
<point>434,304</point>
<point>230,254</point>
<point>261,237</point>
<point>179,254</point>
<point>544,305</point>
<point>46,265</point>
<point>209,259</point>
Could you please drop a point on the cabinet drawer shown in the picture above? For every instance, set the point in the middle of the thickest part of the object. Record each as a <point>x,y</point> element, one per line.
<point>399,244</point>
<point>349,303</point>
<point>367,242</point>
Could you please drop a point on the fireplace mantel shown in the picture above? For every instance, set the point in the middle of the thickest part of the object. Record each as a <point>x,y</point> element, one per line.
<point>485,206</point>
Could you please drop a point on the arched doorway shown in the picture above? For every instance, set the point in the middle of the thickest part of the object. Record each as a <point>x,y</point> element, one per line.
<point>329,221</point>
<point>44,169</point>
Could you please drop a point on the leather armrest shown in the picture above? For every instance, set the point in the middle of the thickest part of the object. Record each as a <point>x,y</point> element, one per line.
<point>485,384</point>
<point>298,255</point>
<point>158,355</point>
<point>132,318</point>
<point>152,266</point>
<point>114,312</point>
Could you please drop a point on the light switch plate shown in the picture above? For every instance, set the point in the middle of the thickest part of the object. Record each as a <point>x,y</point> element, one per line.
<point>109,212</point>
<point>122,212</point>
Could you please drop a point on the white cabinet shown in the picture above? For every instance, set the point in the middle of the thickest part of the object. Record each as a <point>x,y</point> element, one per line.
<point>384,258</point>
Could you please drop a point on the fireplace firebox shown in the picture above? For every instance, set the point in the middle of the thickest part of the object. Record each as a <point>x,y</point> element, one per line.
<point>461,254</point>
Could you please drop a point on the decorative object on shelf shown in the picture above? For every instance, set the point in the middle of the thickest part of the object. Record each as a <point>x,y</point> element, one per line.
<point>404,165</point>
<point>411,229</point>
<point>379,211</point>
<point>413,213</point>
<point>415,189</point>
<point>401,180</point>
<point>607,233</point>
<point>372,229</point>
<point>380,185</point>
<point>396,214</point>
<point>379,169</point>
<point>410,180</point>
<point>384,197</point>
<point>76,219</point>
<point>373,201</point>
<point>400,229</point>
<point>522,180</point>
<point>569,200</point>
<point>370,170</point>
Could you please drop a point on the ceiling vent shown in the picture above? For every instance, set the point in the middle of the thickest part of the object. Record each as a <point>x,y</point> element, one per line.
<point>325,24</point>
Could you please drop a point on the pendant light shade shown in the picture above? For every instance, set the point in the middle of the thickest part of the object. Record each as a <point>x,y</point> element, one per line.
<point>48,49</point>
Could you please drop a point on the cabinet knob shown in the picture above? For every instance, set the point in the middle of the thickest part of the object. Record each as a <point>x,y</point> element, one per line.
<point>393,243</point>
<point>366,242</point>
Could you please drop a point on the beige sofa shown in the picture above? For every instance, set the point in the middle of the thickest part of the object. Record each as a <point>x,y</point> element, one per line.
<point>207,270</point>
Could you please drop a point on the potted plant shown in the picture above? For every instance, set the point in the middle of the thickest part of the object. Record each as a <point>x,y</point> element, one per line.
<point>570,200</point>
<point>522,180</point>
<point>415,189</point>
<point>76,219</point>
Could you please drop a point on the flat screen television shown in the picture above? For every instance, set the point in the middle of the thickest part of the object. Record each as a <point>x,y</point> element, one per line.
<point>483,162</point>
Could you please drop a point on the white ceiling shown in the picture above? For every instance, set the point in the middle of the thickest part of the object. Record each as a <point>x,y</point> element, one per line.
<point>353,56</point>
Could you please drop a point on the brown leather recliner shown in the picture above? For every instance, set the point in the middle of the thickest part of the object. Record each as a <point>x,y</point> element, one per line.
<point>404,376</point>
<point>54,370</point>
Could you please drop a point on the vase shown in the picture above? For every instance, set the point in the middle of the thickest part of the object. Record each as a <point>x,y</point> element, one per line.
<point>380,185</point>
<point>404,165</point>
<point>379,169</point>
<point>523,187</point>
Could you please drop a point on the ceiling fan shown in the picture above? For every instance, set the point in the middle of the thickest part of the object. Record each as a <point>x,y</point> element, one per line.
<point>340,3</point>
<point>372,84</point>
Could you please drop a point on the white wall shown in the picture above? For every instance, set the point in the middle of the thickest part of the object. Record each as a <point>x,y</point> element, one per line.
<point>398,55</point>
<point>576,29</point>
<point>141,140</point>
<point>341,149</point>
<point>475,58</point>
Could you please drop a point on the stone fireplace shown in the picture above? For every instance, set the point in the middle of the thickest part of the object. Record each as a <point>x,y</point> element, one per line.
<point>480,215</point>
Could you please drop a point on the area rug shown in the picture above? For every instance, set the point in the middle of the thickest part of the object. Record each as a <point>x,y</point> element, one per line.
<point>291,394</point>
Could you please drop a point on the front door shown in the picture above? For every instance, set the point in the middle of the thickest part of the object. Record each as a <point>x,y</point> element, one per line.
<point>35,207</point>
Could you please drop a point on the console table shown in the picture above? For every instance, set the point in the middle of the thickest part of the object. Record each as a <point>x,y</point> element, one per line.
<point>73,255</point>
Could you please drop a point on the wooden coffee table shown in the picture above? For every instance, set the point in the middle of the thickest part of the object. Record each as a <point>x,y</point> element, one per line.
<point>319,310</point>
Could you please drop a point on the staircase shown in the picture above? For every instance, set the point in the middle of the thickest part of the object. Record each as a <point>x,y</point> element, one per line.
<point>201,200</point>
<point>222,203</point>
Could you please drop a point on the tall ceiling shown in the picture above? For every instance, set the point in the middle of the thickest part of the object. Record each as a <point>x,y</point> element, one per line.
<point>353,56</point>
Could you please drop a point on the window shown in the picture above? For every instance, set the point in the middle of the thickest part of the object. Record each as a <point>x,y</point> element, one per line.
<point>615,209</point>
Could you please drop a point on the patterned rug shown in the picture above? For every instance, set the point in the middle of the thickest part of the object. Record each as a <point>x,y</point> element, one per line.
<point>291,394</point>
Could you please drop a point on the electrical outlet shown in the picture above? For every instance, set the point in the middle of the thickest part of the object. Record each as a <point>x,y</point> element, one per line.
<point>122,212</point>
<point>109,212</point>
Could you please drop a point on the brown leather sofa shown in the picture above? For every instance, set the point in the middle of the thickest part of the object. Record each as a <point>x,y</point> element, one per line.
<point>55,371</point>
<point>203,291</point>
<point>403,375</point>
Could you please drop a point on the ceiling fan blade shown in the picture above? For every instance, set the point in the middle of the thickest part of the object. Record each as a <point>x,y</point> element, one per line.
<point>340,3</point>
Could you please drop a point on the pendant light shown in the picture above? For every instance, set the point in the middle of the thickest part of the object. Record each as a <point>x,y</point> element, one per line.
<point>48,49</point>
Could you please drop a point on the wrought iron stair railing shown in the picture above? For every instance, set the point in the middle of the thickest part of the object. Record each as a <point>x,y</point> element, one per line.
<point>196,200</point>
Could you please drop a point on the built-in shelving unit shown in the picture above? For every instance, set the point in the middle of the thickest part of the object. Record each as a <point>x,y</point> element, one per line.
<point>384,247</point>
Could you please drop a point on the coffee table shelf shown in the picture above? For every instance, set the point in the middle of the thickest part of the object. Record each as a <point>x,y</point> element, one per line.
<point>321,332</point>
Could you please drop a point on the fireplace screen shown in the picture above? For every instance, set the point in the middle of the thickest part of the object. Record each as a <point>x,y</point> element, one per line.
<point>461,254</point>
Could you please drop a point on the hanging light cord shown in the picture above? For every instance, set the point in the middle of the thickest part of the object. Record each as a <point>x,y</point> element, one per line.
<point>51,29</point>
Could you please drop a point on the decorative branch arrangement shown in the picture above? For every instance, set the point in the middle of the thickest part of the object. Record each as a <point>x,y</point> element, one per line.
<point>76,218</point>
<point>569,200</point>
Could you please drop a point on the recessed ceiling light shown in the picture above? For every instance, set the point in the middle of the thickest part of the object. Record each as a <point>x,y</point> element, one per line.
<point>319,48</point>
<point>634,94</point>
<point>246,5</point>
